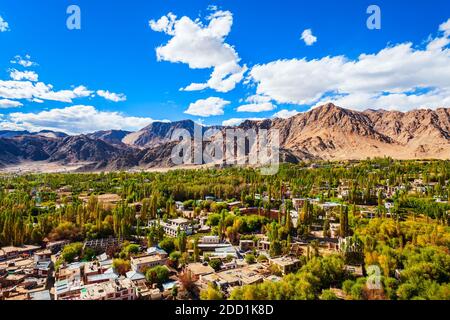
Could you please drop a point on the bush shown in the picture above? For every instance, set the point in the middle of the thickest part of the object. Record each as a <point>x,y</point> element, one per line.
<point>328,294</point>
<point>158,274</point>
<point>250,258</point>
<point>167,244</point>
<point>215,264</point>
<point>71,251</point>
<point>121,266</point>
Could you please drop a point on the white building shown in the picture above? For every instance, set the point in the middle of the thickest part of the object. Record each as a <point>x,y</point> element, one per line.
<point>173,226</point>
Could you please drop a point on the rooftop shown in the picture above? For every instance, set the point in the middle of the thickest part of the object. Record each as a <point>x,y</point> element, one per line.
<point>147,259</point>
<point>285,261</point>
<point>199,269</point>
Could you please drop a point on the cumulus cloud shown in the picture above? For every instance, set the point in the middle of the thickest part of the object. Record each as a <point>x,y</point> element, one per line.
<point>257,103</point>
<point>212,106</point>
<point>397,77</point>
<point>201,47</point>
<point>13,89</point>
<point>23,75</point>
<point>256,107</point>
<point>24,62</point>
<point>116,97</point>
<point>284,114</point>
<point>4,26</point>
<point>73,120</point>
<point>308,37</point>
<point>6,103</point>
<point>237,121</point>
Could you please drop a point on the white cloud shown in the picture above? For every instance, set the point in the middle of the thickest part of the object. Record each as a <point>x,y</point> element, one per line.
<point>284,114</point>
<point>73,120</point>
<point>445,28</point>
<point>212,106</point>
<point>237,121</point>
<point>4,26</point>
<point>257,103</point>
<point>5,103</point>
<point>201,47</point>
<point>23,75</point>
<point>24,62</point>
<point>256,107</point>
<point>308,37</point>
<point>12,89</point>
<point>213,7</point>
<point>116,97</point>
<point>398,76</point>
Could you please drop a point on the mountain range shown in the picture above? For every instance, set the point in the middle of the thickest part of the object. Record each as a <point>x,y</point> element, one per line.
<point>327,132</point>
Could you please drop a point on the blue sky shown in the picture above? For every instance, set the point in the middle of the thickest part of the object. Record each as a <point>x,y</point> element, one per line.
<point>260,41</point>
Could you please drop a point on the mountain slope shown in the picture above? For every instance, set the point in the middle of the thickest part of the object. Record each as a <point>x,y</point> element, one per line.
<point>327,132</point>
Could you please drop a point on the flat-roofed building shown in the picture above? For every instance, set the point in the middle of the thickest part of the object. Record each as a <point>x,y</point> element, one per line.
<point>210,239</point>
<point>233,277</point>
<point>286,264</point>
<point>118,289</point>
<point>173,226</point>
<point>12,252</point>
<point>199,269</point>
<point>141,263</point>
<point>246,245</point>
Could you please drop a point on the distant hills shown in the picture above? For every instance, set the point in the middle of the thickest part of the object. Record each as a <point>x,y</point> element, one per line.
<point>327,132</point>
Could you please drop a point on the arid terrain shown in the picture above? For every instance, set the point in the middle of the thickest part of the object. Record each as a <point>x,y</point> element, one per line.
<point>327,132</point>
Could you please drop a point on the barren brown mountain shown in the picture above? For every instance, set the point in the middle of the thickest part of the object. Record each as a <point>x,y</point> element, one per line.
<point>327,132</point>
<point>332,133</point>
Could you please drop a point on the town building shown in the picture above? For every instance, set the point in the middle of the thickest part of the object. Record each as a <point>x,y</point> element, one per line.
<point>173,226</point>
<point>117,289</point>
<point>246,245</point>
<point>141,263</point>
<point>286,264</point>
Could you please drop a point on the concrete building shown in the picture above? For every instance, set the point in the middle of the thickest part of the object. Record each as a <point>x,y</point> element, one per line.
<point>286,264</point>
<point>210,239</point>
<point>173,226</point>
<point>140,264</point>
<point>118,289</point>
<point>246,245</point>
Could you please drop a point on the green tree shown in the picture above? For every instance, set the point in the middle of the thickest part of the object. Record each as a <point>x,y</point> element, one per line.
<point>158,275</point>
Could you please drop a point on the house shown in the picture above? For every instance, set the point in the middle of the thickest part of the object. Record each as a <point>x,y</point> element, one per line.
<point>118,289</point>
<point>234,204</point>
<point>198,269</point>
<point>246,245</point>
<point>173,226</point>
<point>156,250</point>
<point>107,276</point>
<point>286,264</point>
<point>43,255</point>
<point>356,271</point>
<point>68,281</point>
<point>12,252</point>
<point>210,239</point>
<point>179,205</point>
<point>42,268</point>
<point>233,277</point>
<point>96,271</point>
<point>135,276</point>
<point>264,244</point>
<point>101,245</point>
<point>141,263</point>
